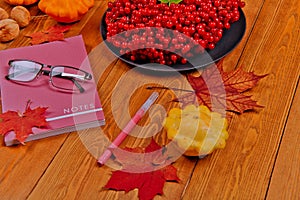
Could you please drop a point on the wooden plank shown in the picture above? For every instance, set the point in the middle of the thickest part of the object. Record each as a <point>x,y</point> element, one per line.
<point>251,11</point>
<point>26,164</point>
<point>285,182</point>
<point>243,169</point>
<point>60,186</point>
<point>73,174</point>
<point>40,22</point>
<point>22,166</point>
<point>68,173</point>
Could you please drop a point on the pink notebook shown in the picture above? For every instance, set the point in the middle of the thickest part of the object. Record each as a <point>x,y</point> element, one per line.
<point>67,112</point>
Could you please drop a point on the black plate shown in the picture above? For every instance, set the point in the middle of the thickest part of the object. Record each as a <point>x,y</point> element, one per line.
<point>231,38</point>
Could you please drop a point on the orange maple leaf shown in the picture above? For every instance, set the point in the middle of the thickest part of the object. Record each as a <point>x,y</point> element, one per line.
<point>22,123</point>
<point>54,33</point>
<point>217,89</point>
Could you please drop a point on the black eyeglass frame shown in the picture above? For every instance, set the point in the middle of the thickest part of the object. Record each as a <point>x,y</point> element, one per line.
<point>87,75</point>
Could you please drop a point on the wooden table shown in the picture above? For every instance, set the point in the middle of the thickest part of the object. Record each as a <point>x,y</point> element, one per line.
<point>262,155</point>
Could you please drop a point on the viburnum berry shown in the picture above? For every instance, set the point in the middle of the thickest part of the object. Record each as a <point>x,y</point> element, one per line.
<point>201,21</point>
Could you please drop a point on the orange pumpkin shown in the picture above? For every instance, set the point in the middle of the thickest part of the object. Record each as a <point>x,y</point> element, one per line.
<point>21,2</point>
<point>66,11</point>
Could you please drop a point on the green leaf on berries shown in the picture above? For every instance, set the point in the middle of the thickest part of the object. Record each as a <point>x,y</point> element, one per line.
<point>170,1</point>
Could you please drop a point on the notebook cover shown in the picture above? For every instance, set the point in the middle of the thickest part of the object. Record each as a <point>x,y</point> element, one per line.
<point>66,111</point>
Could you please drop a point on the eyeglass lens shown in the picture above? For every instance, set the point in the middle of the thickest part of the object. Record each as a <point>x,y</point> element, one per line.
<point>67,78</point>
<point>23,70</point>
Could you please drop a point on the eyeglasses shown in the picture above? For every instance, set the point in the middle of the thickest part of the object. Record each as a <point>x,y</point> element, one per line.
<point>65,78</point>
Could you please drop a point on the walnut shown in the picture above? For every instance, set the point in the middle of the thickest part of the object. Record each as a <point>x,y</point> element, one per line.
<point>21,15</point>
<point>3,14</point>
<point>9,30</point>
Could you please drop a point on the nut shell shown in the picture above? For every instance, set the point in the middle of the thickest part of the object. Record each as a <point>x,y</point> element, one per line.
<point>9,30</point>
<point>3,14</point>
<point>21,15</point>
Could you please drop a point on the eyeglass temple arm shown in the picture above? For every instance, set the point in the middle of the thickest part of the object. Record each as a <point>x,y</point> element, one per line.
<point>80,88</point>
<point>86,77</point>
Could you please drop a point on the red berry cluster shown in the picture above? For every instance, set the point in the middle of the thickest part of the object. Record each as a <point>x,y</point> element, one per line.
<point>202,21</point>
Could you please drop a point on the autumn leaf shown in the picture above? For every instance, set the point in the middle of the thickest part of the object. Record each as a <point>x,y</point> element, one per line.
<point>54,33</point>
<point>22,123</point>
<point>219,89</point>
<point>170,1</point>
<point>143,171</point>
<point>58,29</point>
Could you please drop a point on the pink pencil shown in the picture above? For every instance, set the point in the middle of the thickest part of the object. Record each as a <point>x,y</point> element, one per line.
<point>131,124</point>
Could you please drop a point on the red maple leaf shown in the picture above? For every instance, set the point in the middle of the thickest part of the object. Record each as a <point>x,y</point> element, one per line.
<point>54,33</point>
<point>217,89</point>
<point>22,123</point>
<point>143,171</point>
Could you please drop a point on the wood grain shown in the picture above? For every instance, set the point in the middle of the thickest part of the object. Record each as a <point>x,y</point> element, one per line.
<point>285,177</point>
<point>17,162</point>
<point>261,158</point>
<point>22,166</point>
<point>243,169</point>
<point>251,11</point>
